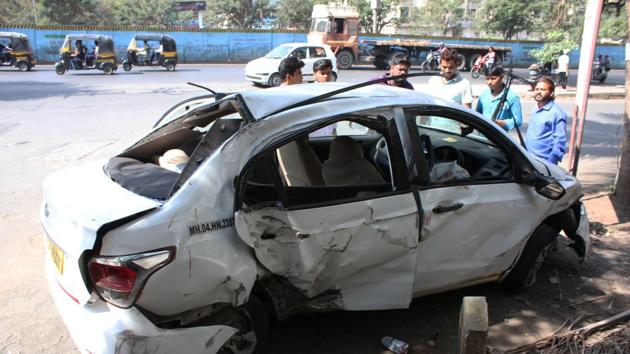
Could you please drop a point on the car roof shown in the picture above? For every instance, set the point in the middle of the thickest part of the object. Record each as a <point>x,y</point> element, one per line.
<point>87,36</point>
<point>262,103</point>
<point>13,34</point>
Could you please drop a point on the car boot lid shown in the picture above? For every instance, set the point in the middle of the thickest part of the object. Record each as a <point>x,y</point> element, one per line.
<point>77,203</point>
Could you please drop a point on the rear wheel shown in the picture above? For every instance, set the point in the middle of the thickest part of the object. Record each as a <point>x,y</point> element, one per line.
<point>60,69</point>
<point>275,80</point>
<point>170,66</point>
<point>127,66</point>
<point>22,66</point>
<point>461,62</point>
<point>252,333</point>
<point>108,69</point>
<point>523,275</point>
<point>345,59</point>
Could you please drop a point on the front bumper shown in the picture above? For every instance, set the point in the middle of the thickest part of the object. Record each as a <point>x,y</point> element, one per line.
<point>98,327</point>
<point>257,78</point>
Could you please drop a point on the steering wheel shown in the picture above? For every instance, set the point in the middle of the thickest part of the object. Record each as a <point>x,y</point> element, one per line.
<point>447,153</point>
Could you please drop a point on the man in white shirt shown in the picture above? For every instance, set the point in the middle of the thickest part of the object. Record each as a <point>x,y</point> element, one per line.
<point>563,68</point>
<point>451,85</point>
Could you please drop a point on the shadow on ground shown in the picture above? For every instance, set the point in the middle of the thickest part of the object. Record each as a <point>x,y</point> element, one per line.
<point>32,90</point>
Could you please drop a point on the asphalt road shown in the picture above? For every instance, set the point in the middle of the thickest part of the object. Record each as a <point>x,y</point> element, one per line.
<point>50,122</point>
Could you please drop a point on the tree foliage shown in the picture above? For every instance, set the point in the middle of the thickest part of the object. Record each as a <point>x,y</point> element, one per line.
<point>241,14</point>
<point>613,25</point>
<point>510,17</point>
<point>384,15</point>
<point>294,14</point>
<point>17,12</point>
<point>69,12</point>
<point>140,12</point>
<point>443,15</point>
<point>555,43</point>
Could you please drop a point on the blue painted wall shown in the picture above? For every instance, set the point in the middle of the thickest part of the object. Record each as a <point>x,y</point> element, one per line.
<point>238,47</point>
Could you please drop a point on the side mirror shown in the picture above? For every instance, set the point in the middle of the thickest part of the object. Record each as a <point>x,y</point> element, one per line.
<point>546,186</point>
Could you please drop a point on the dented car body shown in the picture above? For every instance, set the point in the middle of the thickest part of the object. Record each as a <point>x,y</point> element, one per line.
<point>293,200</point>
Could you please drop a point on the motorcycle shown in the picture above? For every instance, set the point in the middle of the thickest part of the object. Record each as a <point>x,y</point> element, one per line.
<point>600,71</point>
<point>432,61</point>
<point>479,67</point>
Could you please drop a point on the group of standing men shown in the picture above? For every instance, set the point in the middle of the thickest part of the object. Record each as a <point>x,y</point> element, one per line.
<point>546,133</point>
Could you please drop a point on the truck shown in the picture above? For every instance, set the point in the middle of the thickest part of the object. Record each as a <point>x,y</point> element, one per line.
<point>338,26</point>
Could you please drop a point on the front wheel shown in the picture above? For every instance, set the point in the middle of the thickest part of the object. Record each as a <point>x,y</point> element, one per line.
<point>475,72</point>
<point>126,66</point>
<point>275,80</point>
<point>523,275</point>
<point>601,79</point>
<point>60,69</point>
<point>22,66</point>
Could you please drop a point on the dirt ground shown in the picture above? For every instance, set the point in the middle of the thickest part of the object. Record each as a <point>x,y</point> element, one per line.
<point>566,293</point>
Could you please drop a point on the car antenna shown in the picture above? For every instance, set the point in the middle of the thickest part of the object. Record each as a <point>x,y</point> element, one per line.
<point>508,84</point>
<point>350,88</point>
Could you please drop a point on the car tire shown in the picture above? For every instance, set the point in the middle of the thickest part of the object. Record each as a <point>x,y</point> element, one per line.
<point>22,66</point>
<point>345,59</point>
<point>60,69</point>
<point>126,66</point>
<point>523,274</point>
<point>257,322</point>
<point>275,80</point>
<point>461,62</point>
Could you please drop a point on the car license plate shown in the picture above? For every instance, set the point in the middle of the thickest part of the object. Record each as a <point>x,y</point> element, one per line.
<point>57,256</point>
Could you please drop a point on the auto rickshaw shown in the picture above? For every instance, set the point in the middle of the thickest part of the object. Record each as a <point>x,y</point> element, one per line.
<point>87,52</point>
<point>151,50</point>
<point>15,50</point>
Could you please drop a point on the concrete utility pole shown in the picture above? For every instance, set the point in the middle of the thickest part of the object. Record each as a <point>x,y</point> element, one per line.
<point>587,53</point>
<point>374,5</point>
<point>621,199</point>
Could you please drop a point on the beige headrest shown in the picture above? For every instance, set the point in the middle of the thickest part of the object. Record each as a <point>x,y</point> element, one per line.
<point>172,158</point>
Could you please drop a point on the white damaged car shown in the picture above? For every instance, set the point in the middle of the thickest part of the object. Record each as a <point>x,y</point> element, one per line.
<point>270,203</point>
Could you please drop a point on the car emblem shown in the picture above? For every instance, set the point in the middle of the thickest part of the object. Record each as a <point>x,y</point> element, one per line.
<point>46,212</point>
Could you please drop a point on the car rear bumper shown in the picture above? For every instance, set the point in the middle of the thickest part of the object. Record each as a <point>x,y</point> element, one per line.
<point>98,327</point>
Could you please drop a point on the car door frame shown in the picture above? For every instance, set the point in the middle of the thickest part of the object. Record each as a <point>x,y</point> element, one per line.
<point>361,295</point>
<point>520,166</point>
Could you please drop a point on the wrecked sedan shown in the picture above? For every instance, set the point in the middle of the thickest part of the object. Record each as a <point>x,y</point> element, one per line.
<point>268,203</point>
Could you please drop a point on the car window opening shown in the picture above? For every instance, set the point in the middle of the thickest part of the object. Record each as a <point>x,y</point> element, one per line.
<point>340,161</point>
<point>158,164</point>
<point>459,153</point>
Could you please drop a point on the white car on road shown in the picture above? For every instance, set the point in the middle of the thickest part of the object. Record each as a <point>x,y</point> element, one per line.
<point>264,71</point>
<point>303,198</point>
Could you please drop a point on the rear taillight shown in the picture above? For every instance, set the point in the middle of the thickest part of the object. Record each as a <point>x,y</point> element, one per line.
<point>119,279</point>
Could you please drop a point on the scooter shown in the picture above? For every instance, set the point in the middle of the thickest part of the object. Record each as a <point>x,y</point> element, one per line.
<point>432,62</point>
<point>479,67</point>
<point>600,71</point>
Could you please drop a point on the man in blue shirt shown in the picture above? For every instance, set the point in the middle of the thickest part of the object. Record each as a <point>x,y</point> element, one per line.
<point>546,133</point>
<point>511,114</point>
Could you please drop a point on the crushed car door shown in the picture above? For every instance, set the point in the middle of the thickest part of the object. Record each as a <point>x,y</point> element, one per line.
<point>476,216</point>
<point>353,244</point>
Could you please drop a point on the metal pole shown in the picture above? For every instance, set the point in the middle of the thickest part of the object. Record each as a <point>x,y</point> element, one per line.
<point>35,12</point>
<point>587,53</point>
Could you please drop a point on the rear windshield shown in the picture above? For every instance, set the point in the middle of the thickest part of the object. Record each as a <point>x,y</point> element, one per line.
<point>158,164</point>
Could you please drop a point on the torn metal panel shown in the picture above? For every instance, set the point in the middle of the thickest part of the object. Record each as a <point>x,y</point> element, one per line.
<point>366,249</point>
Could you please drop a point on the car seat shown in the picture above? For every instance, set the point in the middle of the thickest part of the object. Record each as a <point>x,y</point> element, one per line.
<point>347,166</point>
<point>299,164</point>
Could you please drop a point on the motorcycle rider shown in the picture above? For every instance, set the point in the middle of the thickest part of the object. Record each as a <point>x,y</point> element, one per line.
<point>489,58</point>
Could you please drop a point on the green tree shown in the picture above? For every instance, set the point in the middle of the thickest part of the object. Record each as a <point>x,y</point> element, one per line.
<point>384,15</point>
<point>612,24</point>
<point>555,43</point>
<point>510,17</point>
<point>443,15</point>
<point>69,12</point>
<point>139,12</point>
<point>17,12</point>
<point>240,14</point>
<point>294,14</point>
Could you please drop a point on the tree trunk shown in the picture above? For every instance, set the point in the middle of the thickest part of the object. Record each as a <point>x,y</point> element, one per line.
<point>621,198</point>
